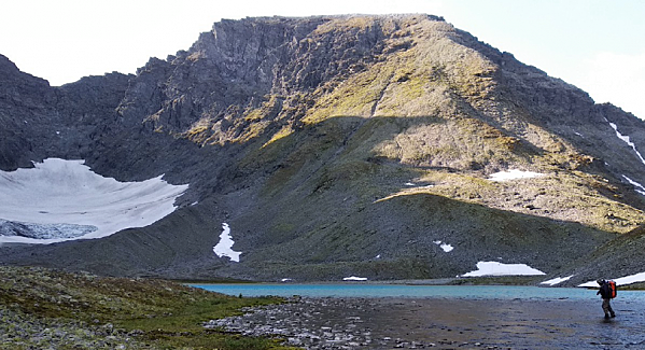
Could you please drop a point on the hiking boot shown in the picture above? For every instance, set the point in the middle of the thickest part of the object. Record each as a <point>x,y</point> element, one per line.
<point>613,315</point>
<point>606,317</point>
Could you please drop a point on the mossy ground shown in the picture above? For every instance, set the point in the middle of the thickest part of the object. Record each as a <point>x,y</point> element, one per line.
<point>129,313</point>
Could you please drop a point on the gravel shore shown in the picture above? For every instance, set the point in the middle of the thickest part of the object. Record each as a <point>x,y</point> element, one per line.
<point>401,323</point>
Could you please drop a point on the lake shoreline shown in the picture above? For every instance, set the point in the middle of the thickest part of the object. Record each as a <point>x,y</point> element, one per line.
<point>492,280</point>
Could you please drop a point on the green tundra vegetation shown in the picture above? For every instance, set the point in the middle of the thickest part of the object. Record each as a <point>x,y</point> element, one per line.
<point>49,309</point>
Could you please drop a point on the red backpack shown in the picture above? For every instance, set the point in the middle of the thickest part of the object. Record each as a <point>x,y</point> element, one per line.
<point>612,289</point>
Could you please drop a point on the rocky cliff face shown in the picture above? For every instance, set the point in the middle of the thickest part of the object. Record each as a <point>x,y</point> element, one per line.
<point>40,121</point>
<point>338,146</point>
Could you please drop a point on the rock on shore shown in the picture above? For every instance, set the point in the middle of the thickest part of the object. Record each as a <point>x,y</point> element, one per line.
<point>330,323</point>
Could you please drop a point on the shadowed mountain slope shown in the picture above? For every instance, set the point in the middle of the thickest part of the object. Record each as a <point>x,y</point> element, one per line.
<point>337,146</point>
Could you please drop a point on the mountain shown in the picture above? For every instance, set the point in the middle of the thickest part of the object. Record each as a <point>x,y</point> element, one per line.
<point>341,146</point>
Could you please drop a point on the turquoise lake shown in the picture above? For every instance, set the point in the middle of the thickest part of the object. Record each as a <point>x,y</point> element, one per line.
<point>368,290</point>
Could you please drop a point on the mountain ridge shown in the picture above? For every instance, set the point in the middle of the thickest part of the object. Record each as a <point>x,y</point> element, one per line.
<point>301,133</point>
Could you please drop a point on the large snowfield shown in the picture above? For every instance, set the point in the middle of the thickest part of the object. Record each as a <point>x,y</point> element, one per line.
<point>61,192</point>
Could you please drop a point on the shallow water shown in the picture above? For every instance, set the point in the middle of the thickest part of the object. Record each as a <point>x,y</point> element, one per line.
<point>457,317</point>
<point>514,324</point>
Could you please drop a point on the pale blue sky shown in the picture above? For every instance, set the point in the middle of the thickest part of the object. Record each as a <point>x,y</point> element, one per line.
<point>597,45</point>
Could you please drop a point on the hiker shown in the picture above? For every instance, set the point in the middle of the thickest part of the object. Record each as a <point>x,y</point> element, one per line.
<point>607,291</point>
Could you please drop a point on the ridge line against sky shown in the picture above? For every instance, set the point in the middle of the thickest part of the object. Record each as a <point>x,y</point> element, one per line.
<point>595,45</point>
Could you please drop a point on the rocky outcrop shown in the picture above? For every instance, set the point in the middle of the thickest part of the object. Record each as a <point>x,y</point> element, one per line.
<point>43,121</point>
<point>25,102</point>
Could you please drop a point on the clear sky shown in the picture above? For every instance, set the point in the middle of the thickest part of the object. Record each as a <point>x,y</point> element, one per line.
<point>597,45</point>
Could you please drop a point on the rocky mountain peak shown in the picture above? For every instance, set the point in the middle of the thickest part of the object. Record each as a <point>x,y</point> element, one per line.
<point>325,142</point>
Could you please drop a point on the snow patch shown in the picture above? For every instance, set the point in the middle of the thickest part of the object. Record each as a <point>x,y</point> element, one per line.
<point>557,280</point>
<point>493,268</point>
<point>59,197</point>
<point>445,246</point>
<point>513,174</point>
<point>354,278</point>
<point>225,245</point>
<point>412,184</point>
<point>639,277</point>
<point>590,284</point>
<point>627,141</point>
<point>639,188</point>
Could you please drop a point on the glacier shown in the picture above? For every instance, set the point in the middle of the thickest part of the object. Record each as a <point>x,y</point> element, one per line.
<point>60,200</point>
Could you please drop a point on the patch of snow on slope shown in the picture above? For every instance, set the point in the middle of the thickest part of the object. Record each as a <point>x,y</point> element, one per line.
<point>225,245</point>
<point>639,277</point>
<point>627,141</point>
<point>354,278</point>
<point>445,246</point>
<point>493,268</point>
<point>639,188</point>
<point>558,280</point>
<point>513,174</point>
<point>58,192</point>
<point>411,184</point>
